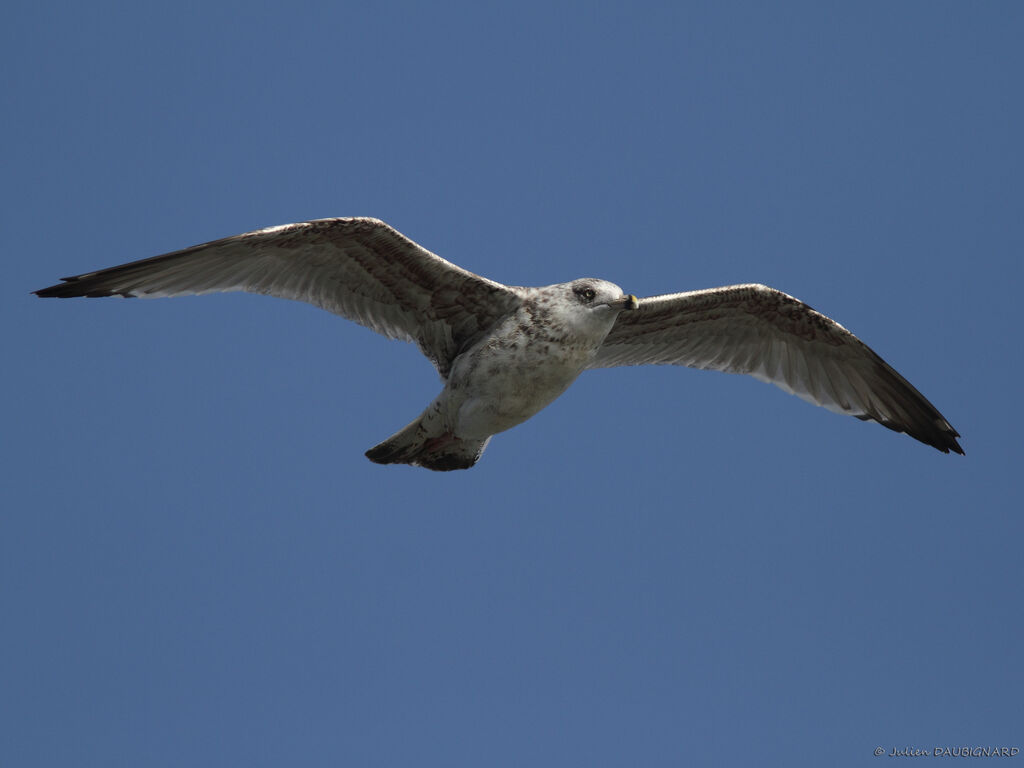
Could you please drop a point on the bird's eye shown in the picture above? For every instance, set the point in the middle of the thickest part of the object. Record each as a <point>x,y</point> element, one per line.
<point>586,294</point>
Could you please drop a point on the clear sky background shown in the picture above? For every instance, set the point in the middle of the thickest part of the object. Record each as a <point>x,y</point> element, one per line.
<point>666,567</point>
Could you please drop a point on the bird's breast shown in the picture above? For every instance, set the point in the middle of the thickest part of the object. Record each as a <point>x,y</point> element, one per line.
<point>508,377</point>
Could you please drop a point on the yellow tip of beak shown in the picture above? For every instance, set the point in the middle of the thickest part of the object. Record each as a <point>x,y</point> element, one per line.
<point>632,302</point>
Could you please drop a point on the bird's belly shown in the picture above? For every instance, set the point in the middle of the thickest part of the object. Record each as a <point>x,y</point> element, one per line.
<point>499,389</point>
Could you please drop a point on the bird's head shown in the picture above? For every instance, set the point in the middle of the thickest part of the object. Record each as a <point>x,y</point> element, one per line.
<point>589,305</point>
<point>600,296</point>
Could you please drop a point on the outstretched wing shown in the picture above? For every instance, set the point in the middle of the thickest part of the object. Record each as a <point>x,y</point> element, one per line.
<point>358,268</point>
<point>767,334</point>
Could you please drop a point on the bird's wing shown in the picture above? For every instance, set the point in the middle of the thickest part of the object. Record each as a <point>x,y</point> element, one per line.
<point>767,334</point>
<point>358,268</point>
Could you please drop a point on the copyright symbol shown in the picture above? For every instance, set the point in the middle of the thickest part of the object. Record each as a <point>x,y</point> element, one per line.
<point>879,751</point>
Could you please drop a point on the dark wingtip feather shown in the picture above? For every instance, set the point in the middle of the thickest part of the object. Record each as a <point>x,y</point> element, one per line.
<point>912,413</point>
<point>76,287</point>
<point>947,443</point>
<point>952,444</point>
<point>59,291</point>
<point>941,436</point>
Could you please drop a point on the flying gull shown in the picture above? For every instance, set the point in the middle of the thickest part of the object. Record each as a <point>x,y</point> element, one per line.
<point>505,352</point>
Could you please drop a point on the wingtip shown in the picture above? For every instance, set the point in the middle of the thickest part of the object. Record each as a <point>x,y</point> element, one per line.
<point>939,435</point>
<point>52,292</point>
<point>74,288</point>
<point>65,289</point>
<point>955,447</point>
<point>950,435</point>
<point>946,441</point>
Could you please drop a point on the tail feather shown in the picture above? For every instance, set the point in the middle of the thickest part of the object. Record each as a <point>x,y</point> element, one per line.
<point>411,445</point>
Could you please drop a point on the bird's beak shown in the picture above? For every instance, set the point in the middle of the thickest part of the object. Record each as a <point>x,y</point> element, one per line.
<point>629,301</point>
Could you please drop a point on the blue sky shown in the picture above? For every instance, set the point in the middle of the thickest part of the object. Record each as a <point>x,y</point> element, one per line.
<point>666,567</point>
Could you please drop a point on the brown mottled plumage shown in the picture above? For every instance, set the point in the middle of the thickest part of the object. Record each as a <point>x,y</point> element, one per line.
<point>505,352</point>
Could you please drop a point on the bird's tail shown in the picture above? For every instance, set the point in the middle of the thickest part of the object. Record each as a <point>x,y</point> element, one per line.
<point>442,453</point>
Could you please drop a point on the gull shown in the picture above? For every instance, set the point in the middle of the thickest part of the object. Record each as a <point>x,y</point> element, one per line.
<point>505,352</point>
